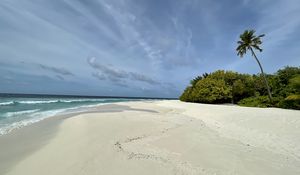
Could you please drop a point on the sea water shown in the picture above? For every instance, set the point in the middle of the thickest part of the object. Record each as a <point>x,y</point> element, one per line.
<point>17,111</point>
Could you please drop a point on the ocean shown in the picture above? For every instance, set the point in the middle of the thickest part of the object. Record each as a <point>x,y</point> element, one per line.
<point>17,111</point>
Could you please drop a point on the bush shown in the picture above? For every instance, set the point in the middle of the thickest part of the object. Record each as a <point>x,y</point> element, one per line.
<point>290,102</point>
<point>186,95</point>
<point>295,83</point>
<point>211,91</point>
<point>259,101</point>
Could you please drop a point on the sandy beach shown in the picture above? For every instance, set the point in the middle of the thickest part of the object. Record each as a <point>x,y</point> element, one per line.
<point>157,137</point>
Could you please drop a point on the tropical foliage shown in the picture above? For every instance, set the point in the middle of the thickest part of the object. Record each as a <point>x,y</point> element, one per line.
<point>246,90</point>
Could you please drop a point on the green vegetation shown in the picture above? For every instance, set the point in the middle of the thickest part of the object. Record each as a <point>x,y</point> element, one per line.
<point>246,90</point>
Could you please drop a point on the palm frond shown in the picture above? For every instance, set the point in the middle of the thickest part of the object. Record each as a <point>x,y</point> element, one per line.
<point>257,47</point>
<point>248,40</point>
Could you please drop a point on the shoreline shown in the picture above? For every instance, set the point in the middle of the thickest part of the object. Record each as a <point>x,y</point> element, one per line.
<point>40,133</point>
<point>159,136</point>
<point>44,114</point>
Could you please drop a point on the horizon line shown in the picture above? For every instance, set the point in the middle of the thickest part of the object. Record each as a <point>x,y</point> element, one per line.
<point>83,96</point>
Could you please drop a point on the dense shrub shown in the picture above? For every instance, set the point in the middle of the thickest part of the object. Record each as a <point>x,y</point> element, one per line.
<point>259,101</point>
<point>295,83</point>
<point>290,102</point>
<point>246,90</point>
<point>211,90</point>
<point>186,95</point>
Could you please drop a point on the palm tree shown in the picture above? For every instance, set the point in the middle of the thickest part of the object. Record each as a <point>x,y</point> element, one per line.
<point>194,81</point>
<point>248,41</point>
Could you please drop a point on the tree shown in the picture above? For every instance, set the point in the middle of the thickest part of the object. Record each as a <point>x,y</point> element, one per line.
<point>209,90</point>
<point>248,42</point>
<point>286,74</point>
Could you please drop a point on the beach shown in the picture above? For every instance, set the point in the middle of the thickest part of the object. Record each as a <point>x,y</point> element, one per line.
<point>157,137</point>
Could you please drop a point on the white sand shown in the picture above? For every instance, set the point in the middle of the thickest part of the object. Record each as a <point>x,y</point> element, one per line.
<point>171,137</point>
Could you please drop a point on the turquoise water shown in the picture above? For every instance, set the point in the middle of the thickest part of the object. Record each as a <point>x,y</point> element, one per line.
<point>17,112</point>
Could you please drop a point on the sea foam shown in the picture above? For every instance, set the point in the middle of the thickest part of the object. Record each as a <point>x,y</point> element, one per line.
<point>17,112</point>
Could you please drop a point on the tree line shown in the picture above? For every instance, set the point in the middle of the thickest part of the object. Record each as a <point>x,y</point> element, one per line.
<point>246,90</point>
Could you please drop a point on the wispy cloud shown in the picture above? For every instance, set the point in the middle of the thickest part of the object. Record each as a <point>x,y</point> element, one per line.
<point>98,76</point>
<point>58,70</point>
<point>117,75</point>
<point>126,21</point>
<point>142,78</point>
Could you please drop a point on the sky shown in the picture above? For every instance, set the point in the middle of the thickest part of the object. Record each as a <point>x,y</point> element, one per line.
<point>148,48</point>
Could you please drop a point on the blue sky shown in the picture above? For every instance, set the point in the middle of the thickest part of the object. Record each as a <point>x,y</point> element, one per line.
<point>137,47</point>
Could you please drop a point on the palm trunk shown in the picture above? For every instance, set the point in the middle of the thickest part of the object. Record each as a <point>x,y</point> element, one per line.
<point>263,74</point>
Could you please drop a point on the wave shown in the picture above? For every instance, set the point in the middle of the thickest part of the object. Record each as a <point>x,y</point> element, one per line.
<point>10,114</point>
<point>36,116</point>
<point>51,101</point>
<point>6,103</point>
<point>16,125</point>
<point>18,119</point>
<point>90,100</point>
<point>19,124</point>
<point>36,102</point>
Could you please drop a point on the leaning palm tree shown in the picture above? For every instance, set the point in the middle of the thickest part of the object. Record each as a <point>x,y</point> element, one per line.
<point>248,42</point>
